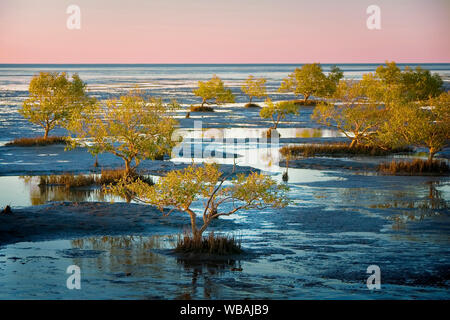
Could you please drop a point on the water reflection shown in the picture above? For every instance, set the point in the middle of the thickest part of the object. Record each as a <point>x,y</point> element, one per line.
<point>414,203</point>
<point>138,256</point>
<point>432,206</point>
<point>42,195</point>
<point>39,194</point>
<point>127,255</point>
<point>203,273</point>
<point>239,133</point>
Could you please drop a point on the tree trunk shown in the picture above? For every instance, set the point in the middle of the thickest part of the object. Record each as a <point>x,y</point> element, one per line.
<point>47,129</point>
<point>96,161</point>
<point>285,176</point>
<point>305,97</point>
<point>431,154</point>
<point>250,99</point>
<point>204,226</point>
<point>354,142</point>
<point>127,168</point>
<point>277,122</point>
<point>203,101</point>
<point>195,232</point>
<point>200,231</point>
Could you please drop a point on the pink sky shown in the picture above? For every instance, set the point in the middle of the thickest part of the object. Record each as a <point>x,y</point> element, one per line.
<point>224,31</point>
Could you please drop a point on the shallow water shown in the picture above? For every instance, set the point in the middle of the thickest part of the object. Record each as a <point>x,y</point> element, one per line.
<point>317,253</point>
<point>257,133</point>
<point>340,221</point>
<point>19,191</point>
<point>319,247</point>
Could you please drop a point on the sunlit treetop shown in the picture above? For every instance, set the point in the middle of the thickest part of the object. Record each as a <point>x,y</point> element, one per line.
<point>179,189</point>
<point>133,127</point>
<point>254,87</point>
<point>278,111</point>
<point>356,110</point>
<point>413,85</point>
<point>53,97</point>
<point>214,89</point>
<point>424,125</point>
<point>309,80</point>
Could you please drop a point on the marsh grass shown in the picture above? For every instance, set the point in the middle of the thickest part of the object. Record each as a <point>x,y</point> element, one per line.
<point>252,105</point>
<point>37,141</point>
<point>211,244</point>
<point>415,167</point>
<point>338,149</point>
<point>201,109</point>
<point>69,180</point>
<point>308,103</point>
<point>6,210</point>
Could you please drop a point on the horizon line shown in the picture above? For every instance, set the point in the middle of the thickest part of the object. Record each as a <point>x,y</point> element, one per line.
<point>208,63</point>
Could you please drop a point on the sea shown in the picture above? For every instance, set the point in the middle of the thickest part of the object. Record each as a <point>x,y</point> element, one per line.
<point>169,81</point>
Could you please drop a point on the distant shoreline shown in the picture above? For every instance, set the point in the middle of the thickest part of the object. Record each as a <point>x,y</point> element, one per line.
<point>211,64</point>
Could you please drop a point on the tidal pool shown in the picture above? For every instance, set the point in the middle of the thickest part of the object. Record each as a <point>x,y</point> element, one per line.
<point>24,191</point>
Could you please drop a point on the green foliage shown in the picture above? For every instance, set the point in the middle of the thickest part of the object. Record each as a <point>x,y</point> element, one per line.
<point>418,110</point>
<point>310,80</point>
<point>389,74</point>
<point>254,87</point>
<point>420,84</point>
<point>424,125</point>
<point>214,89</point>
<point>335,76</point>
<point>411,85</point>
<point>180,188</point>
<point>53,98</point>
<point>278,111</point>
<point>356,110</point>
<point>133,127</point>
<point>390,109</point>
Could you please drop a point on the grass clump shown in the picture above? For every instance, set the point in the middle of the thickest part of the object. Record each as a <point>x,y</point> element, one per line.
<point>211,244</point>
<point>6,210</point>
<point>307,103</point>
<point>37,141</point>
<point>201,109</point>
<point>69,180</point>
<point>415,167</point>
<point>338,149</point>
<point>252,105</point>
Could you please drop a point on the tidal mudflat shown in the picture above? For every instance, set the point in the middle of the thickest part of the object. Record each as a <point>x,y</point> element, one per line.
<point>344,215</point>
